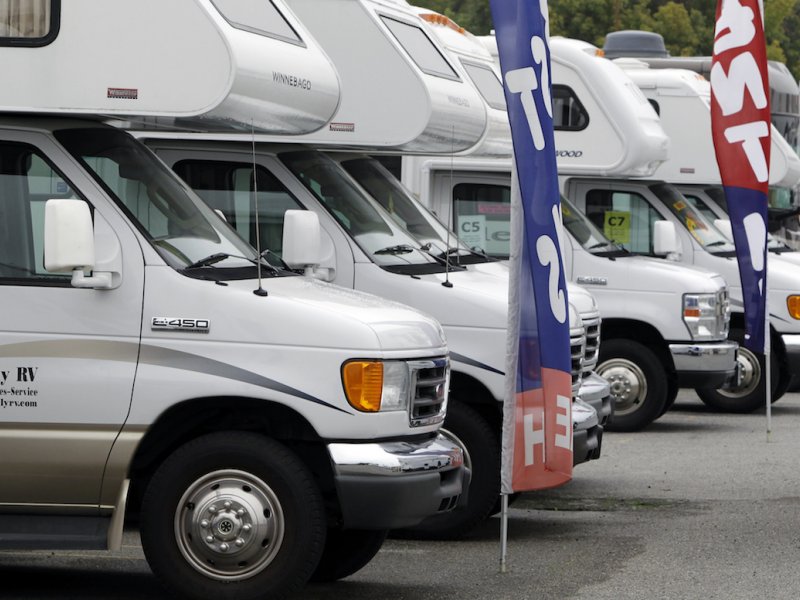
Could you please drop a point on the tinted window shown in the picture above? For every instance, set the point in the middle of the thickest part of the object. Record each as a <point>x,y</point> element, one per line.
<point>624,217</point>
<point>420,47</point>
<point>258,16</point>
<point>482,215</point>
<point>568,112</point>
<point>28,22</point>
<point>27,181</point>
<point>488,84</point>
<point>229,188</point>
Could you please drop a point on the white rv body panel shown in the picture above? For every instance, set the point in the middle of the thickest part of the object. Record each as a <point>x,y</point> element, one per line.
<point>187,67</point>
<point>434,113</point>
<point>684,100</point>
<point>621,138</point>
<point>480,68</point>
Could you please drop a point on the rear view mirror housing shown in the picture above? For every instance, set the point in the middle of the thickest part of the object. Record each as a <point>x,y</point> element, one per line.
<point>302,240</point>
<point>665,239</point>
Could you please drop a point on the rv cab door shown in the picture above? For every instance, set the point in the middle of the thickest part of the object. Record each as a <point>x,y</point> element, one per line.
<point>67,355</point>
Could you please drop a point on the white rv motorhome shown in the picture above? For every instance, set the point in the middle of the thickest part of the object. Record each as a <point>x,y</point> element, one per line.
<point>652,342</point>
<point>263,426</point>
<point>368,247</point>
<point>683,100</point>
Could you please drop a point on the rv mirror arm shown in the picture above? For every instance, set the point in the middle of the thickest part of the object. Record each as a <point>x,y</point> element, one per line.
<point>97,280</point>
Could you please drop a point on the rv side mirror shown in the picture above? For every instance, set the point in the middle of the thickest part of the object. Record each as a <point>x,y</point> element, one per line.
<point>665,239</point>
<point>69,244</point>
<point>301,240</point>
<point>724,226</point>
<point>68,236</point>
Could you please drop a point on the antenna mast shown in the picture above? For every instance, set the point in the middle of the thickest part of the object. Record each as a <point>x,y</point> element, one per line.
<point>260,291</point>
<point>446,282</point>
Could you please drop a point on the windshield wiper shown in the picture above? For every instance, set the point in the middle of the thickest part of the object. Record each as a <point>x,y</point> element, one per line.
<point>208,261</point>
<point>717,243</point>
<point>394,250</point>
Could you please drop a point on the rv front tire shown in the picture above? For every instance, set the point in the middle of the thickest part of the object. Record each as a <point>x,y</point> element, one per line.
<point>233,515</point>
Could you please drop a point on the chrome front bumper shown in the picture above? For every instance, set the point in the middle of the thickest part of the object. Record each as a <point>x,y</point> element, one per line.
<point>705,365</point>
<point>390,485</point>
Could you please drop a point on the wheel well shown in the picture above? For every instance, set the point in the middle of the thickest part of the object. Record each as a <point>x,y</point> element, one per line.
<point>776,341</point>
<point>193,418</point>
<point>641,332</point>
<point>468,390</point>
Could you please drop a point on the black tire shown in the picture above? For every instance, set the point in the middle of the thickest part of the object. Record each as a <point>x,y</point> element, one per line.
<point>638,383</point>
<point>346,552</point>
<point>672,393</point>
<point>481,447</point>
<point>751,394</point>
<point>233,515</point>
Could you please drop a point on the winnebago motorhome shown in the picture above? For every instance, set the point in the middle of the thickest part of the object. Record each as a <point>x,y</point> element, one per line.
<point>366,246</point>
<point>262,427</point>
<point>651,345</point>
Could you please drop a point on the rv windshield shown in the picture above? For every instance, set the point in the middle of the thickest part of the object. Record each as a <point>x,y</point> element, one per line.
<point>586,233</point>
<point>374,230</point>
<point>408,212</point>
<point>702,230</point>
<point>717,195</point>
<point>184,231</point>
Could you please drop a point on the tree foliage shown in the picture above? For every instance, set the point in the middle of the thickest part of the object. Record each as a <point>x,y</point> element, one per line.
<point>686,25</point>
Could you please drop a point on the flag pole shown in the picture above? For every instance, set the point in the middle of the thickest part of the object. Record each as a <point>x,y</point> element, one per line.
<point>503,532</point>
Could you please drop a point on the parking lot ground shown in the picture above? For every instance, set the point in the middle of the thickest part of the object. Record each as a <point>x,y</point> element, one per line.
<point>699,505</point>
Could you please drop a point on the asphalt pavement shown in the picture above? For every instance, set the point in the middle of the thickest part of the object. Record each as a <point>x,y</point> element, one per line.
<point>699,505</point>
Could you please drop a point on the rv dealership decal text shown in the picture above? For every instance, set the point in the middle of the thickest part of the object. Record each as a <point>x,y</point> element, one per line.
<point>12,393</point>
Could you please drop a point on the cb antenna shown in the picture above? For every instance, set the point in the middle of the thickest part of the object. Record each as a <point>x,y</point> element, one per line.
<point>446,283</point>
<point>260,291</point>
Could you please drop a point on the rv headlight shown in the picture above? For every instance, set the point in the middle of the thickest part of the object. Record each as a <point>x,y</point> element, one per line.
<point>376,386</point>
<point>702,315</point>
<point>793,304</point>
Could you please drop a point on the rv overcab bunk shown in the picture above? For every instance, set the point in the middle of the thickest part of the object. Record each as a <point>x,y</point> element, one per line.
<point>199,64</point>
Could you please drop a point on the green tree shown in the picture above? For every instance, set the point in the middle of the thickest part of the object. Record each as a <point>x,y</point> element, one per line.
<point>673,22</point>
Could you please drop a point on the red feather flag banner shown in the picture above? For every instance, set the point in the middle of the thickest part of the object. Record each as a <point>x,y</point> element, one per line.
<point>740,126</point>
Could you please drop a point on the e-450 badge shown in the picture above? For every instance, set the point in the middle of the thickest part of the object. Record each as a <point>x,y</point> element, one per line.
<point>181,324</point>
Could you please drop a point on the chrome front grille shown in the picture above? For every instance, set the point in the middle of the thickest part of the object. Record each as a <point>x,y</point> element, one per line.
<point>430,380</point>
<point>591,323</point>
<point>577,353</point>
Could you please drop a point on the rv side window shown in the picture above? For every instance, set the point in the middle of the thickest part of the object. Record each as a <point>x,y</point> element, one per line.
<point>488,84</point>
<point>482,215</point>
<point>568,112</point>
<point>257,16</point>
<point>28,22</point>
<point>624,217</point>
<point>420,48</point>
<point>229,186</point>
<point>27,181</point>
